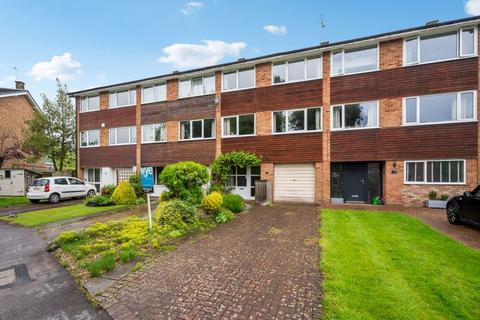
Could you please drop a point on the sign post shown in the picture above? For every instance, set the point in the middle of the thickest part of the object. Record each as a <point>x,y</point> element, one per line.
<point>146,178</point>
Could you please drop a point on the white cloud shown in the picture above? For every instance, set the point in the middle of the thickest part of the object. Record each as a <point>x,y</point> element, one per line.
<point>7,81</point>
<point>191,6</point>
<point>472,7</point>
<point>184,55</point>
<point>273,29</point>
<point>63,67</point>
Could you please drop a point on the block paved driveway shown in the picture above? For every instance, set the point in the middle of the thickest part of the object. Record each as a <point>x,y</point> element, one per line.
<point>263,265</point>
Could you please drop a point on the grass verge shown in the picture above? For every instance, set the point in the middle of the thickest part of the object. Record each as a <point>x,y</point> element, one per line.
<point>383,265</point>
<point>41,217</point>
<point>11,201</point>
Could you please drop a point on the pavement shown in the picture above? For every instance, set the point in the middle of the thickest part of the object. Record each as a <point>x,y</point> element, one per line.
<point>20,208</point>
<point>38,288</point>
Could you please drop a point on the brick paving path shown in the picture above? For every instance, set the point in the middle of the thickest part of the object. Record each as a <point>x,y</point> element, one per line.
<point>263,265</point>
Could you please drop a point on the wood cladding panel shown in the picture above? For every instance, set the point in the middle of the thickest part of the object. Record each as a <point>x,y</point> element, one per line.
<point>406,143</point>
<point>285,148</point>
<point>114,157</point>
<point>118,117</point>
<point>182,109</point>
<point>160,154</point>
<point>276,97</point>
<point>424,79</point>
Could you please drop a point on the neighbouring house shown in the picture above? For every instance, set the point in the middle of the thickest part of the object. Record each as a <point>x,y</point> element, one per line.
<point>17,106</point>
<point>391,115</point>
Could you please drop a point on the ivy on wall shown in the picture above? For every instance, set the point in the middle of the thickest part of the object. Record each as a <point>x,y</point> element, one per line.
<point>225,162</point>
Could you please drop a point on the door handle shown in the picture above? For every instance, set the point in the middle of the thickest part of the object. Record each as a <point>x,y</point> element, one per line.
<point>363,181</point>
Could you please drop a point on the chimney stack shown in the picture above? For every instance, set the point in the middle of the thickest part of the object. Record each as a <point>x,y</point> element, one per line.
<point>19,85</point>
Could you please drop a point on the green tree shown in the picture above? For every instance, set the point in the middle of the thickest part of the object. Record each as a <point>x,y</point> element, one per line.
<point>51,133</point>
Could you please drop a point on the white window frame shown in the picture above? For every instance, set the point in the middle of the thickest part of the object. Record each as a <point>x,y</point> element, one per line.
<point>189,79</point>
<point>88,104</point>
<point>459,120</point>
<point>237,71</point>
<point>238,126</point>
<point>155,98</point>
<point>343,128</point>
<point>459,47</point>
<point>405,163</point>
<point>343,73</point>
<point>191,129</point>
<point>143,141</point>
<point>304,71</point>
<point>87,132</point>
<point>304,117</point>
<point>116,99</point>
<point>116,136</point>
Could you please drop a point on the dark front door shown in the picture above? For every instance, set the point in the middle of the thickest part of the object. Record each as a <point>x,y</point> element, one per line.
<point>354,177</point>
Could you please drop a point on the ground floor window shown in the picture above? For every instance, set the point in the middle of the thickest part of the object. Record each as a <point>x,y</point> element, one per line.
<point>93,177</point>
<point>435,172</point>
<point>124,174</point>
<point>242,180</point>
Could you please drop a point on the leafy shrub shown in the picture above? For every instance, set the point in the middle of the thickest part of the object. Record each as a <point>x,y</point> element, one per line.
<point>140,201</point>
<point>66,237</point>
<point>98,201</point>
<point>97,229</point>
<point>225,162</point>
<point>165,196</point>
<point>175,214</point>
<point>124,194</point>
<point>136,184</point>
<point>107,190</point>
<point>127,255</point>
<point>432,195</point>
<point>223,215</point>
<point>184,180</point>
<point>444,197</point>
<point>233,202</point>
<point>212,202</point>
<point>104,263</point>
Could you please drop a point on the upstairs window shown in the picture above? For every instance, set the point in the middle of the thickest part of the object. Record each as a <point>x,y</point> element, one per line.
<point>354,60</point>
<point>197,129</point>
<point>435,172</point>
<point>154,132</point>
<point>89,104</point>
<point>196,86</point>
<point>239,79</point>
<point>355,115</point>
<point>123,135</point>
<point>90,138</point>
<point>298,120</point>
<point>154,93</point>
<point>122,98</point>
<point>242,125</point>
<point>445,46</point>
<point>297,70</point>
<point>438,108</point>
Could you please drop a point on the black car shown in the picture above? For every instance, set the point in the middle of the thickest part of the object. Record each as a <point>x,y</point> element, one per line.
<point>465,208</point>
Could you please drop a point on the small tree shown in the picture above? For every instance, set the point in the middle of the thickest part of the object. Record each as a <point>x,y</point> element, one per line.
<point>10,148</point>
<point>51,133</point>
<point>225,162</point>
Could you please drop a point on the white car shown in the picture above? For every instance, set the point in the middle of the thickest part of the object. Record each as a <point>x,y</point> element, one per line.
<point>55,189</point>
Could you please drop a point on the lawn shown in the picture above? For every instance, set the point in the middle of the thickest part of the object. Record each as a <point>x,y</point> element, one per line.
<point>381,265</point>
<point>10,201</point>
<point>40,217</point>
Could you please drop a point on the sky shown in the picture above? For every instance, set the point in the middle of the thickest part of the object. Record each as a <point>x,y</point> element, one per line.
<point>91,43</point>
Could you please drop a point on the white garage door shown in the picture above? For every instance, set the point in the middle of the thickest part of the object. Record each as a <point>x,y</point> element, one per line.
<point>294,182</point>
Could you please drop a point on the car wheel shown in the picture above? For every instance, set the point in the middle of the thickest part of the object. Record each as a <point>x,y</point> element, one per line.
<point>34,200</point>
<point>54,198</point>
<point>453,213</point>
<point>91,193</point>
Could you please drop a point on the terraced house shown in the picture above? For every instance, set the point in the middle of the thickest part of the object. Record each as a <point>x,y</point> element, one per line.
<point>391,115</point>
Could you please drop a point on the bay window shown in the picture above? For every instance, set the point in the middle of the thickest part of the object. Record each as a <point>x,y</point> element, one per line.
<point>90,138</point>
<point>154,132</point>
<point>196,86</point>
<point>89,104</point>
<point>439,47</point>
<point>239,79</point>
<point>297,70</point>
<point>435,172</point>
<point>154,93</point>
<point>438,108</point>
<point>197,129</point>
<point>122,135</point>
<point>242,125</point>
<point>354,60</point>
<point>122,98</point>
<point>355,116</point>
<point>298,120</point>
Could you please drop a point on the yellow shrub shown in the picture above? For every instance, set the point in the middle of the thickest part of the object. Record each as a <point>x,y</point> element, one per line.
<point>212,202</point>
<point>124,194</point>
